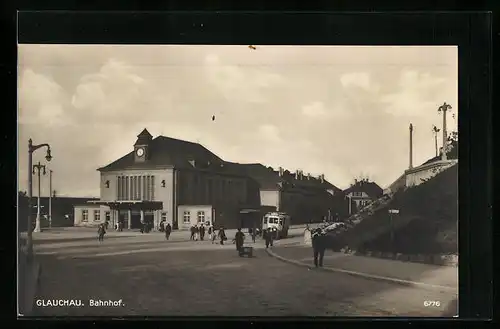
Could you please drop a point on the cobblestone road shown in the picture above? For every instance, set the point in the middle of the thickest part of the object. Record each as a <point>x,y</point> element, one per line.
<point>189,279</point>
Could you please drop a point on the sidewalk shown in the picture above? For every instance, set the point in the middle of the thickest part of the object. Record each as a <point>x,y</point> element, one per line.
<point>443,276</point>
<point>27,283</point>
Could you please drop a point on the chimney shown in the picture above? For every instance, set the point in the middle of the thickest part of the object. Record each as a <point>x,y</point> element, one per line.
<point>296,174</point>
<point>411,146</point>
<point>322,178</point>
<point>308,176</point>
<point>280,171</point>
<point>355,181</point>
<point>301,174</point>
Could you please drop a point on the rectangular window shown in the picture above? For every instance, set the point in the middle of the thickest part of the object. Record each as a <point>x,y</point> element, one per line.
<point>97,215</point>
<point>152,188</point>
<point>163,216</point>
<point>118,186</point>
<point>107,216</point>
<point>134,187</point>
<point>201,216</point>
<point>139,187</point>
<point>127,190</point>
<point>147,188</point>
<point>187,217</point>
<point>85,215</point>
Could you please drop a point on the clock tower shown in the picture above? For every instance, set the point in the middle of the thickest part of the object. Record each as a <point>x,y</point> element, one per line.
<point>142,146</point>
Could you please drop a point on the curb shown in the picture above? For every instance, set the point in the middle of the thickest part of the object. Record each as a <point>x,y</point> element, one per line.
<point>440,260</point>
<point>365,275</point>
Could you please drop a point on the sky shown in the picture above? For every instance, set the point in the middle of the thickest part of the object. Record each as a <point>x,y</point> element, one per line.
<point>339,111</point>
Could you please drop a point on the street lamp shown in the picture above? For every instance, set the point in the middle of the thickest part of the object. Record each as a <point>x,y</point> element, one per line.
<point>50,197</point>
<point>32,148</point>
<point>444,108</point>
<point>37,170</point>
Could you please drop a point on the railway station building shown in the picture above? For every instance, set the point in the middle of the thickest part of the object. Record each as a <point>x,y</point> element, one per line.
<point>183,183</point>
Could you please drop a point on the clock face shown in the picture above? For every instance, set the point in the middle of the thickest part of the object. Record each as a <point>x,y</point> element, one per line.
<point>140,152</point>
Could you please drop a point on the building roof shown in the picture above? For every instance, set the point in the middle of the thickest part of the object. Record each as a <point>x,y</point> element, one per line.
<point>57,202</point>
<point>268,178</point>
<point>371,188</point>
<point>265,177</point>
<point>166,151</point>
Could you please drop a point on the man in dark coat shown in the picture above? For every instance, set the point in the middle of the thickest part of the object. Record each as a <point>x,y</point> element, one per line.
<point>239,238</point>
<point>319,247</point>
<point>202,232</point>
<point>268,237</point>
<point>222,235</point>
<point>101,230</point>
<point>168,230</point>
<point>192,233</point>
<point>254,234</point>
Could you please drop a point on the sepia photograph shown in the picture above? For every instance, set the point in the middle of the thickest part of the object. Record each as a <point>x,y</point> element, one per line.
<point>237,180</point>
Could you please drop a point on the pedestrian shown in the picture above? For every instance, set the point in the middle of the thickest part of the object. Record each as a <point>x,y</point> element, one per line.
<point>168,230</point>
<point>214,235</point>
<point>239,238</point>
<point>192,233</point>
<point>202,232</point>
<point>222,235</point>
<point>162,226</point>
<point>196,232</point>
<point>100,232</point>
<point>319,247</point>
<point>268,237</point>
<point>254,234</point>
<point>209,231</point>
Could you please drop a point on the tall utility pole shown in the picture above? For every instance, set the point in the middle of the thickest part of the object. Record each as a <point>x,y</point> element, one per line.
<point>38,169</point>
<point>435,130</point>
<point>50,198</point>
<point>444,108</point>
<point>411,146</point>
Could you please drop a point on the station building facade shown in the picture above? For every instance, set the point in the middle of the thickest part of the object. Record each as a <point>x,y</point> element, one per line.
<point>183,183</point>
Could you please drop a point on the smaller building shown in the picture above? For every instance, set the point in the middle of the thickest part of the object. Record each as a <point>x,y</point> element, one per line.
<point>362,193</point>
<point>61,209</point>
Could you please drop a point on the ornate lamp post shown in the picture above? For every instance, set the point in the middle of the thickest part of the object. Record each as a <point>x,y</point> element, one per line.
<point>32,148</point>
<point>38,169</point>
<point>444,108</point>
<point>50,197</point>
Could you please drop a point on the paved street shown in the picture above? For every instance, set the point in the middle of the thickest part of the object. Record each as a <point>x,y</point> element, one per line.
<point>154,277</point>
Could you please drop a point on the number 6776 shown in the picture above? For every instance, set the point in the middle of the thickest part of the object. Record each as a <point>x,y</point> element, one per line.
<point>432,303</point>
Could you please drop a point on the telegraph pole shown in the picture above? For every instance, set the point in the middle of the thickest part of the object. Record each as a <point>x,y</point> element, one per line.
<point>435,130</point>
<point>50,198</point>
<point>39,169</point>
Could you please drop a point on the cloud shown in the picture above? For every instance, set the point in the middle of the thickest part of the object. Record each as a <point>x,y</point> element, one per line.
<point>315,109</point>
<point>358,80</point>
<point>40,100</point>
<point>417,94</point>
<point>239,83</point>
<point>110,93</point>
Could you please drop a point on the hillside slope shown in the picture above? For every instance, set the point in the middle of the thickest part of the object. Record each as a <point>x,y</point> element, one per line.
<point>427,222</point>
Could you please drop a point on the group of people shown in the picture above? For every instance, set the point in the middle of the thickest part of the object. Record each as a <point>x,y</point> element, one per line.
<point>199,232</point>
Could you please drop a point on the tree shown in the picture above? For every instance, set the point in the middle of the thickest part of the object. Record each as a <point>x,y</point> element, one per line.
<point>452,145</point>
